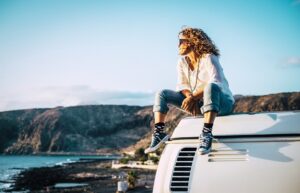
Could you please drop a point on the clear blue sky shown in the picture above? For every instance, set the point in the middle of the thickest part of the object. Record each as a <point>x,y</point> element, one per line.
<point>59,52</point>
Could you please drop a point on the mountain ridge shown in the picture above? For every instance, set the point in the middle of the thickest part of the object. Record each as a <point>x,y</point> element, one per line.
<point>103,129</point>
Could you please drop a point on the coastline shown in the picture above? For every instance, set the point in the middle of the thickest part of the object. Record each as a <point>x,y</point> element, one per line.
<point>91,175</point>
<point>65,154</point>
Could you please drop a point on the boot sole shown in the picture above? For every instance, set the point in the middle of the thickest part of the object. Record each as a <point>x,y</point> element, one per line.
<point>204,152</point>
<point>152,149</point>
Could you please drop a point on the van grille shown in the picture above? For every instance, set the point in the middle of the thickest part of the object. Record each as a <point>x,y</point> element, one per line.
<point>182,169</point>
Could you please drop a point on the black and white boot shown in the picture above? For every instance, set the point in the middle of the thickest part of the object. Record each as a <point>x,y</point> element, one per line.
<point>205,143</point>
<point>158,138</point>
<point>206,139</point>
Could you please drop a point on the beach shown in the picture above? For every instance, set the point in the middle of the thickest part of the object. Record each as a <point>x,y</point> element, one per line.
<point>92,176</point>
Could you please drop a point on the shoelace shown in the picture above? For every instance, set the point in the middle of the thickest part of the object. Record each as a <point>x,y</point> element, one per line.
<point>156,138</point>
<point>205,141</point>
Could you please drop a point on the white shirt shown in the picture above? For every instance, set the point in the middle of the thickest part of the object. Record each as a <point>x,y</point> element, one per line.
<point>210,71</point>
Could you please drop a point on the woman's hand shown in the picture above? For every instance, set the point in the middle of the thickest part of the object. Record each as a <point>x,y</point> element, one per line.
<point>188,103</point>
<point>191,105</point>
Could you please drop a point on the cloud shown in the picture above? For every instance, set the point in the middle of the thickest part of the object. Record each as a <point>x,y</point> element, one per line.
<point>296,2</point>
<point>53,96</point>
<point>291,62</point>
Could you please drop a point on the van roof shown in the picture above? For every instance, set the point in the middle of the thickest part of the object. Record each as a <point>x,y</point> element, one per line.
<point>266,123</point>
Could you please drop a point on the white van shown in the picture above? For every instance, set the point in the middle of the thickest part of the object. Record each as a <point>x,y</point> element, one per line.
<point>251,153</point>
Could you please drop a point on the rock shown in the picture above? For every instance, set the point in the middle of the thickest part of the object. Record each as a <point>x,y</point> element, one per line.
<point>103,129</point>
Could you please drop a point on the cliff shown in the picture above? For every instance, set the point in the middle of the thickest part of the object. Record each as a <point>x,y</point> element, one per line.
<point>104,128</point>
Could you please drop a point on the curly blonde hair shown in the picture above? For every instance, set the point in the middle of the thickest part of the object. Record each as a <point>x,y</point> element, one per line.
<point>200,41</point>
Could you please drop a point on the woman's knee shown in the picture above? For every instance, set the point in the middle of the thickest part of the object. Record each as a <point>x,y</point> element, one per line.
<point>211,98</point>
<point>162,93</point>
<point>211,88</point>
<point>160,103</point>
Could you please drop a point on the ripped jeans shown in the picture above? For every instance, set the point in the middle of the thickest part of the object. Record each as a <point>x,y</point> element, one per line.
<point>213,100</point>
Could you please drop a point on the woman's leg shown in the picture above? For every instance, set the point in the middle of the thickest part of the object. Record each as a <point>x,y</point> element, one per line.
<point>214,103</point>
<point>162,99</point>
<point>211,106</point>
<point>160,109</point>
<point>211,102</point>
<point>209,117</point>
<point>159,117</point>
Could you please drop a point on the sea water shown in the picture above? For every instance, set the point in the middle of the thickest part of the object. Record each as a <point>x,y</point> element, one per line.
<point>11,165</point>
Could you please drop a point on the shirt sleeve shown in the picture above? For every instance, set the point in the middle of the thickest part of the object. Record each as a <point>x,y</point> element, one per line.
<point>182,82</point>
<point>214,69</point>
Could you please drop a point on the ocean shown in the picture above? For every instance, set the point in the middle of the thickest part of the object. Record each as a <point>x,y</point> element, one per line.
<point>11,165</point>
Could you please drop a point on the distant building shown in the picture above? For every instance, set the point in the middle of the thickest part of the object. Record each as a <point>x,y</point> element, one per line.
<point>149,164</point>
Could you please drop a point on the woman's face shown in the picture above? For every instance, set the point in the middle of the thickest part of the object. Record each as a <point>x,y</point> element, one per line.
<point>184,46</point>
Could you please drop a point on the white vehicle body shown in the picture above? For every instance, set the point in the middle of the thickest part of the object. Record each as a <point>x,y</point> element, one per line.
<point>251,153</point>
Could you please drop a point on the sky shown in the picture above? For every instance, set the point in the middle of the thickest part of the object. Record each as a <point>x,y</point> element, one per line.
<point>80,52</point>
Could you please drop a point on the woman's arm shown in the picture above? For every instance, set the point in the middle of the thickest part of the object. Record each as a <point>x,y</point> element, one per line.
<point>199,93</point>
<point>189,100</point>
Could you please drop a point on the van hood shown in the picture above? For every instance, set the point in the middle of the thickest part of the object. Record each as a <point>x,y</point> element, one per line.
<point>267,123</point>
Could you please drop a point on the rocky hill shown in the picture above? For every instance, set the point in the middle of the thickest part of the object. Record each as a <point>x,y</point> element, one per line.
<point>104,128</point>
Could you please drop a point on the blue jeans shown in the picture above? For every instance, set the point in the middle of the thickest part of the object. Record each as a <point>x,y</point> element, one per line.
<point>213,100</point>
